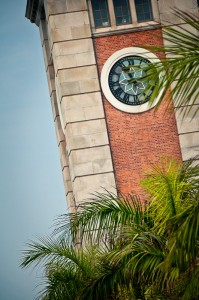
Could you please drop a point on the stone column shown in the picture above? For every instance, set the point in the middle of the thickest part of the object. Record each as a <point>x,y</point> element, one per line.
<point>73,81</point>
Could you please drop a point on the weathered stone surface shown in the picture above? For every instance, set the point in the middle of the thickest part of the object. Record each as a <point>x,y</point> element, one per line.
<point>54,105</point>
<point>68,26</point>
<point>63,155</point>
<point>155,9</point>
<point>65,34</point>
<point>190,123</point>
<point>90,161</point>
<point>71,203</point>
<point>54,7</point>
<point>90,140</point>
<point>85,128</point>
<point>69,20</point>
<point>89,85</point>
<point>80,74</point>
<point>63,6</point>
<point>85,187</point>
<point>82,107</point>
<point>81,102</point>
<point>74,60</point>
<point>43,31</point>
<point>69,88</point>
<point>86,134</point>
<point>51,79</point>
<point>73,47</point>
<point>77,80</point>
<point>59,131</point>
<point>46,53</point>
<point>66,174</point>
<point>59,35</point>
<point>166,6</point>
<point>80,32</point>
<point>76,5</point>
<point>189,145</point>
<point>58,98</point>
<point>67,181</point>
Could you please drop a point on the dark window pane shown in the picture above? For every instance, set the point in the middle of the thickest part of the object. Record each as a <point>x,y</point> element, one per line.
<point>96,14</point>
<point>139,9</point>
<point>95,5</point>
<point>129,19</point>
<point>139,17</point>
<point>119,20</point>
<point>148,16</point>
<point>118,11</point>
<point>143,10</point>
<point>98,23</point>
<point>104,14</point>
<point>100,13</point>
<point>122,12</point>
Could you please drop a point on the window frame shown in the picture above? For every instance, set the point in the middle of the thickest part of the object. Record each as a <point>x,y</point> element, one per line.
<point>107,14</point>
<point>129,10</point>
<point>146,20</point>
<point>134,22</point>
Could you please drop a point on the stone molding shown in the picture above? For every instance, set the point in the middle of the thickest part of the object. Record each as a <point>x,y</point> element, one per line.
<point>34,11</point>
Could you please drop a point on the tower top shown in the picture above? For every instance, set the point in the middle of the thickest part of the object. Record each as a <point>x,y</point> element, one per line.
<point>34,11</point>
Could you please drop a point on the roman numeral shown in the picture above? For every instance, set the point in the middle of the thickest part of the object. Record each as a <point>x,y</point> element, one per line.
<point>130,62</point>
<point>136,99</point>
<point>126,98</point>
<point>118,91</point>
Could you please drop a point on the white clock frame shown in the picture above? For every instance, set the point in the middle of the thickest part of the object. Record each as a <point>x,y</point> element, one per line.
<point>105,74</point>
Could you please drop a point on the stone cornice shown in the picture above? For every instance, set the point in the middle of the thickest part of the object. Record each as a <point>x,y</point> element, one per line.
<point>34,11</point>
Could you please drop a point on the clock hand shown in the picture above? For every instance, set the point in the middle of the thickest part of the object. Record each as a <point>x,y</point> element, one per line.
<point>133,80</point>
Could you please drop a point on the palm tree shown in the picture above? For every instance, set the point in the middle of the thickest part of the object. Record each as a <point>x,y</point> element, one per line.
<point>74,272</point>
<point>130,250</point>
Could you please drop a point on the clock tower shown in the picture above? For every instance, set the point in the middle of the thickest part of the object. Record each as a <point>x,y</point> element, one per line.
<point>108,136</point>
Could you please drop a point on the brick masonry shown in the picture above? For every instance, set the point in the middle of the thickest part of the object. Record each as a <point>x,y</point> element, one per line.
<point>137,140</point>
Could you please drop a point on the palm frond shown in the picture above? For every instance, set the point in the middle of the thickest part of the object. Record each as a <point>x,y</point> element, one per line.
<point>191,286</point>
<point>60,283</point>
<point>103,217</point>
<point>49,251</point>
<point>181,65</point>
<point>171,186</point>
<point>179,68</point>
<point>183,242</point>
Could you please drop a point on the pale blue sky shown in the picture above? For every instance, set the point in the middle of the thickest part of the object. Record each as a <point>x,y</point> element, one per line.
<point>32,193</point>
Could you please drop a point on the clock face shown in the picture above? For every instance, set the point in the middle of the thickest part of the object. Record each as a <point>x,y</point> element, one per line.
<point>125,80</point>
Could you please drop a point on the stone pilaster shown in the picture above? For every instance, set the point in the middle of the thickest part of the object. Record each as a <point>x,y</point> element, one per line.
<point>77,104</point>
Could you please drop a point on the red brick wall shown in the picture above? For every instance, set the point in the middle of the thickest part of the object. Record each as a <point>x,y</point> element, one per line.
<point>136,140</point>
